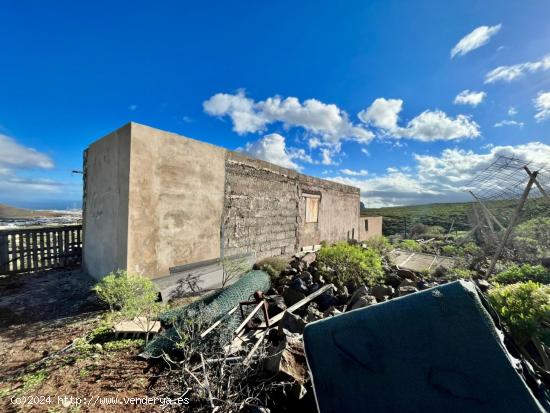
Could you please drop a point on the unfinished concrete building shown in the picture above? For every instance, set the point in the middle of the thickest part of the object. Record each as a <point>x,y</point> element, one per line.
<point>155,200</point>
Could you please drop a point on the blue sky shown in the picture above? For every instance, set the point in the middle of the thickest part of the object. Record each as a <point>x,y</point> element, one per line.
<point>362,92</point>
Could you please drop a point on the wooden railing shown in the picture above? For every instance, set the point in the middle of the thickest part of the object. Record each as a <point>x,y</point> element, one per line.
<point>35,249</point>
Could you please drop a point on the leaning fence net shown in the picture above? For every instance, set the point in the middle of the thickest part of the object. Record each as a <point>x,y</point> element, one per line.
<point>202,313</point>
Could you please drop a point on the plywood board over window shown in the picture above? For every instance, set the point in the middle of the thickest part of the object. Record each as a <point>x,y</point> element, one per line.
<point>312,208</point>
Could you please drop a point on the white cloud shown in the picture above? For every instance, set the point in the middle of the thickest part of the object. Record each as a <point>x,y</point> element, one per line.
<point>508,123</point>
<point>467,97</point>
<point>436,125</point>
<point>509,73</point>
<point>326,121</point>
<point>133,107</point>
<point>512,111</point>
<point>365,151</point>
<point>14,155</point>
<point>382,113</point>
<point>350,172</point>
<point>15,160</point>
<point>542,104</point>
<point>428,126</point>
<point>439,178</point>
<point>477,38</point>
<point>271,148</point>
<point>327,157</point>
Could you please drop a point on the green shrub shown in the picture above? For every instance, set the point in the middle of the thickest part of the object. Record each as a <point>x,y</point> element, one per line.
<point>459,274</point>
<point>410,245</point>
<point>531,239</point>
<point>523,273</point>
<point>523,307</point>
<point>378,243</point>
<point>451,250</point>
<point>121,290</point>
<point>343,264</point>
<point>274,266</point>
<point>470,248</point>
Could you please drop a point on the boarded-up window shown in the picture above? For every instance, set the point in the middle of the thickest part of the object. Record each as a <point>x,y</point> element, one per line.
<point>312,208</point>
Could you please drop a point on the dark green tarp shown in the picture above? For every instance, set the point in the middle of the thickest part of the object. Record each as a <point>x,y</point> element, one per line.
<point>434,351</point>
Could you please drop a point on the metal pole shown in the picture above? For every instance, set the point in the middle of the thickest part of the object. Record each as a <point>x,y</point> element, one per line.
<point>519,207</point>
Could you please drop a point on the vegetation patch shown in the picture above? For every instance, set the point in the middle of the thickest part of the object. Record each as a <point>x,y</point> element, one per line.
<point>274,266</point>
<point>343,264</point>
<point>523,273</point>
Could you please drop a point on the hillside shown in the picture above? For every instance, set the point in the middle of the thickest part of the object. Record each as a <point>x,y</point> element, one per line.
<point>9,212</point>
<point>399,220</point>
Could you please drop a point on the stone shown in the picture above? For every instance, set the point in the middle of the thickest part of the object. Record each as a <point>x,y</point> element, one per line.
<point>407,274</point>
<point>306,277</point>
<point>393,279</point>
<point>332,311</point>
<point>298,391</point>
<point>483,285</point>
<point>291,296</point>
<point>309,258</point>
<point>293,323</point>
<point>363,301</point>
<point>407,283</point>
<point>313,314</point>
<point>406,290</point>
<point>275,305</point>
<point>299,285</point>
<point>545,262</point>
<point>360,292</point>
<point>288,358</point>
<point>326,300</point>
<point>380,292</point>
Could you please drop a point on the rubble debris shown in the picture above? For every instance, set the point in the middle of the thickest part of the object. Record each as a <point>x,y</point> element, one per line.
<point>293,323</point>
<point>382,292</point>
<point>288,358</point>
<point>292,296</point>
<point>406,290</point>
<point>363,301</point>
<point>360,292</point>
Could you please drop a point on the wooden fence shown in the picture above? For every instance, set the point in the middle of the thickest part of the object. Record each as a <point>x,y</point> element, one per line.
<point>35,249</point>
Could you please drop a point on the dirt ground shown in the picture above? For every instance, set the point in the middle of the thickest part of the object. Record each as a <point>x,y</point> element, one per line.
<point>44,313</point>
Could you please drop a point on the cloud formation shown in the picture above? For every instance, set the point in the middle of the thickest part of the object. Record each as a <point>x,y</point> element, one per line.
<point>475,39</point>
<point>326,121</point>
<point>272,148</point>
<point>438,178</point>
<point>467,97</point>
<point>509,73</point>
<point>542,105</point>
<point>427,127</point>
<point>15,155</point>
<point>349,172</point>
<point>508,123</point>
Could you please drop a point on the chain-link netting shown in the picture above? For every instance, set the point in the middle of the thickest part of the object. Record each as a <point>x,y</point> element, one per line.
<point>208,309</point>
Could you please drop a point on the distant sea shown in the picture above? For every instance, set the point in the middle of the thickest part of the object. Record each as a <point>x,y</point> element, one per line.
<point>64,218</point>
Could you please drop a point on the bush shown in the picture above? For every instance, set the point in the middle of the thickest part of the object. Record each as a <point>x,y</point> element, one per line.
<point>378,243</point>
<point>523,273</point>
<point>531,239</point>
<point>121,290</point>
<point>459,274</point>
<point>523,307</point>
<point>411,245</point>
<point>451,250</point>
<point>274,266</point>
<point>343,264</point>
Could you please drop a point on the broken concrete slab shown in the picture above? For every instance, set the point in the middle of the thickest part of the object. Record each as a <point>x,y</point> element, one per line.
<point>288,358</point>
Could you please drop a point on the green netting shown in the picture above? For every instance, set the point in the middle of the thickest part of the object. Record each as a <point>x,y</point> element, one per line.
<point>209,308</point>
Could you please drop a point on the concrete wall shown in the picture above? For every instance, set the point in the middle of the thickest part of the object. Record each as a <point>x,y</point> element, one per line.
<point>338,212</point>
<point>156,200</point>
<point>106,203</point>
<point>176,201</point>
<point>375,228</point>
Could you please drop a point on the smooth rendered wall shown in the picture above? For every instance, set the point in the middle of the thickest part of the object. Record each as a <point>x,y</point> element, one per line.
<point>176,201</point>
<point>106,208</point>
<point>375,228</point>
<point>338,212</point>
